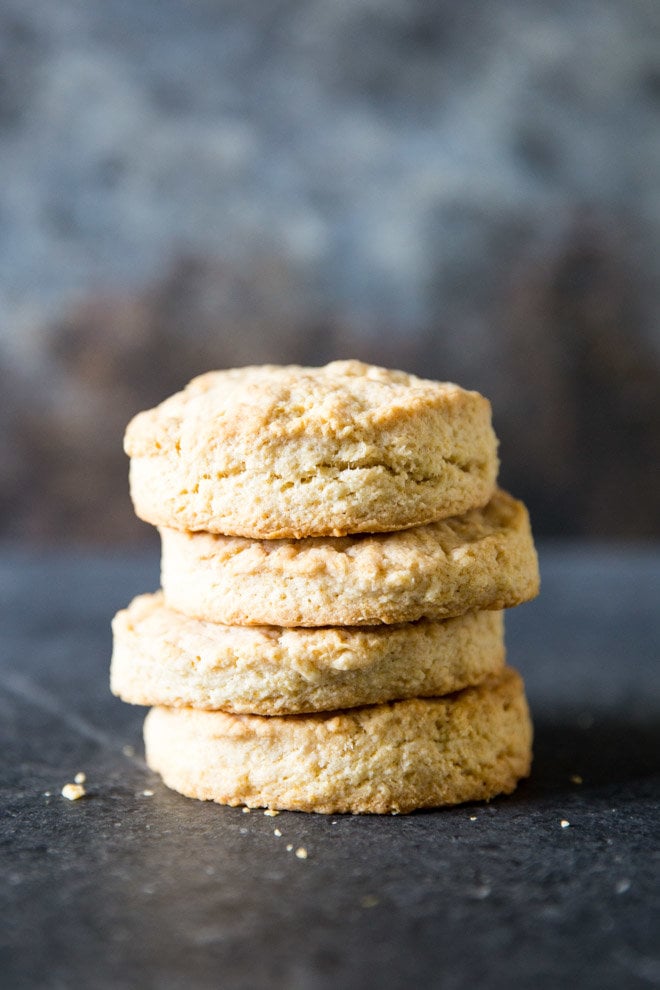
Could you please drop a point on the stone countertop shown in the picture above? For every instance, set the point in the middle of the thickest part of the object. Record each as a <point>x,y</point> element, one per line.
<point>135,886</point>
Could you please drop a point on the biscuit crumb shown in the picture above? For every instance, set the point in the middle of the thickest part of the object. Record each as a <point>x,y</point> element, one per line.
<point>369,901</point>
<point>271,812</point>
<point>246,811</point>
<point>147,793</point>
<point>301,852</point>
<point>72,792</point>
<point>564,823</point>
<point>575,778</point>
<point>80,778</point>
<point>46,793</point>
<point>473,818</point>
<point>289,848</point>
<point>277,832</point>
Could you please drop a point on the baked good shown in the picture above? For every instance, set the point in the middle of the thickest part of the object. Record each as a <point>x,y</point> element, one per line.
<point>483,559</point>
<point>161,657</point>
<point>393,757</point>
<point>287,452</point>
<point>336,556</point>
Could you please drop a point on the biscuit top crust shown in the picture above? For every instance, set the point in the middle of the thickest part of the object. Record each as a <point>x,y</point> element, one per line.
<point>285,452</point>
<point>273,403</point>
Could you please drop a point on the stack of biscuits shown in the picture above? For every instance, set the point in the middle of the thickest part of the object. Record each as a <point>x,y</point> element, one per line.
<point>336,556</point>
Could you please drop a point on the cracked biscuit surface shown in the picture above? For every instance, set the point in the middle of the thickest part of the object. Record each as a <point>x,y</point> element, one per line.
<point>420,753</point>
<point>483,559</point>
<point>286,452</point>
<point>162,657</point>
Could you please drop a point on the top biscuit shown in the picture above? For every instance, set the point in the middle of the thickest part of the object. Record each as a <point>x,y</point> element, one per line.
<point>276,452</point>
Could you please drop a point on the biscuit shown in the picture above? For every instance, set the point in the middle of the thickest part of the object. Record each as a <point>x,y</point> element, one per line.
<point>286,452</point>
<point>394,757</point>
<point>161,657</point>
<point>484,559</point>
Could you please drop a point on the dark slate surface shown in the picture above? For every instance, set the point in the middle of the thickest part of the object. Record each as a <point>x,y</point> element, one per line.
<point>121,889</point>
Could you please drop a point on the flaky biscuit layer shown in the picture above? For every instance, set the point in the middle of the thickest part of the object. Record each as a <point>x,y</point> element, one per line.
<point>483,559</point>
<point>286,452</point>
<point>384,758</point>
<point>161,657</point>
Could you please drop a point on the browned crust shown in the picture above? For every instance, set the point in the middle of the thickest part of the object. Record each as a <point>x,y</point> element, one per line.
<point>381,759</point>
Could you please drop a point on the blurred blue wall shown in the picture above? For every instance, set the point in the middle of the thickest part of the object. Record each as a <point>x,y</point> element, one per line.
<point>470,191</point>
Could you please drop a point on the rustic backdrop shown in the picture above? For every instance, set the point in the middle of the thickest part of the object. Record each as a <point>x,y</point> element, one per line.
<point>466,190</point>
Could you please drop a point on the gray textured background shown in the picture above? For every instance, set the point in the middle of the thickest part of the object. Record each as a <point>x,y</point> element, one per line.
<point>470,191</point>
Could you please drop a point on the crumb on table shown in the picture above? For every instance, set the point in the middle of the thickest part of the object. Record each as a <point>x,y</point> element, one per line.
<point>72,792</point>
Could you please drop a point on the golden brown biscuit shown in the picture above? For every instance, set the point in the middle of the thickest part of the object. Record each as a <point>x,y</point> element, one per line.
<point>484,559</point>
<point>394,757</point>
<point>161,657</point>
<point>272,452</point>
